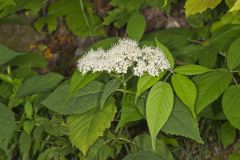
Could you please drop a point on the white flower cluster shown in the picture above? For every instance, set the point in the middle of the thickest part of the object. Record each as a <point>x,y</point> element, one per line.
<point>124,55</point>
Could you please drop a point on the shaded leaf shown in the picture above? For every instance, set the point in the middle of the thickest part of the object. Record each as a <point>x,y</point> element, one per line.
<point>143,142</point>
<point>7,126</point>
<point>210,86</point>
<point>129,112</point>
<point>227,134</point>
<point>109,88</point>
<point>230,104</point>
<point>29,60</point>
<point>39,83</point>
<point>182,123</point>
<point>7,54</point>
<point>142,155</point>
<point>80,24</point>
<point>233,56</point>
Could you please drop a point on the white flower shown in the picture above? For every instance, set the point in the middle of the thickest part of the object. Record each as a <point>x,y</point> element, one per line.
<point>125,55</point>
<point>152,61</point>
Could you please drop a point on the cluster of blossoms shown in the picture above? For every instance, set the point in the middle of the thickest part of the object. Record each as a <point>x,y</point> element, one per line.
<point>124,55</point>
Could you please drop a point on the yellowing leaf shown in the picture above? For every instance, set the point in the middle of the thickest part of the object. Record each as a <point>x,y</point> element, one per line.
<point>198,6</point>
<point>236,6</point>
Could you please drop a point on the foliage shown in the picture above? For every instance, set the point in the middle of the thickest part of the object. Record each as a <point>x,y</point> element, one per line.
<point>99,116</point>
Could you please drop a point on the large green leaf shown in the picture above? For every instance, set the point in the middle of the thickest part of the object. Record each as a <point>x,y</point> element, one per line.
<point>143,142</point>
<point>39,83</point>
<point>85,99</point>
<point>158,108</point>
<point>145,82</point>
<point>80,80</point>
<point>210,86</point>
<point>84,129</point>
<point>142,155</point>
<point>185,90</point>
<point>79,17</point>
<point>233,56</point>
<point>191,69</point>
<point>198,6</point>
<point>182,123</point>
<point>231,104</point>
<point>134,32</point>
<point>7,126</point>
<point>7,54</point>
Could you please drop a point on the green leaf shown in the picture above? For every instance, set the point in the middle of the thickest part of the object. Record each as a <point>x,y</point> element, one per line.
<point>29,60</point>
<point>81,23</point>
<point>22,73</point>
<point>109,88</point>
<point>145,82</point>
<point>99,151</point>
<point>230,104</point>
<point>7,54</point>
<point>227,134</point>
<point>143,142</point>
<point>166,52</point>
<point>39,83</point>
<point>105,43</point>
<point>233,56</point>
<point>236,6</point>
<point>158,108</point>
<point>134,32</point>
<point>28,109</point>
<point>85,99</point>
<point>142,155</point>
<point>222,38</point>
<point>54,153</point>
<point>185,90</point>
<point>208,57</point>
<point>129,112</point>
<point>173,38</point>
<point>182,123</point>
<point>28,126</point>
<point>210,86</point>
<point>84,129</point>
<point>25,145</point>
<point>191,69</point>
<point>198,6</point>
<point>7,126</point>
<point>80,80</point>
